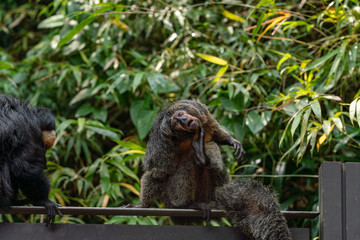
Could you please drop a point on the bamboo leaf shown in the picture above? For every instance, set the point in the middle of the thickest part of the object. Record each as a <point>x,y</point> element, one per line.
<point>321,60</point>
<point>338,123</point>
<point>352,111</point>
<point>75,30</point>
<point>352,58</point>
<point>358,112</point>
<point>315,106</point>
<point>220,73</point>
<point>282,60</point>
<point>304,124</point>
<point>326,127</point>
<point>212,59</point>
<point>232,16</point>
<point>296,121</point>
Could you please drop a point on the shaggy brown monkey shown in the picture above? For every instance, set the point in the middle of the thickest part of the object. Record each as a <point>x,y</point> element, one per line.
<point>184,169</point>
<point>26,133</point>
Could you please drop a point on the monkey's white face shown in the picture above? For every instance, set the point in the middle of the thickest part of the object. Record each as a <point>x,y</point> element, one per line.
<point>48,138</point>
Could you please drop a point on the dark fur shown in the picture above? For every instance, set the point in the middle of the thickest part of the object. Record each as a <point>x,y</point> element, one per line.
<point>173,174</point>
<point>22,153</point>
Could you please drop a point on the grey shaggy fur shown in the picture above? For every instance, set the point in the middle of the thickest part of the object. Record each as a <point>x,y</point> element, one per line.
<point>173,175</point>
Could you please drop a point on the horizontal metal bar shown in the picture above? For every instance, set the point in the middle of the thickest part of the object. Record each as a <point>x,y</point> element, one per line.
<point>133,211</point>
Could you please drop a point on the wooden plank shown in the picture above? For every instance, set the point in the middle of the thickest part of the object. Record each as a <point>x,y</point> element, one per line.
<point>331,201</point>
<point>36,231</point>
<point>352,198</point>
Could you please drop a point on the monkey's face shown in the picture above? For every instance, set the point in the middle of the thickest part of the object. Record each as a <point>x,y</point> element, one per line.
<point>48,138</point>
<point>183,121</point>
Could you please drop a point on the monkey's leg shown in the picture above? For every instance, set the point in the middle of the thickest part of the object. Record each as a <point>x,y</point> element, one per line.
<point>36,188</point>
<point>150,189</point>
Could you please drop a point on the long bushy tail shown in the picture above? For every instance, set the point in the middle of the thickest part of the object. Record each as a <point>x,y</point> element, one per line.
<point>6,191</point>
<point>254,209</point>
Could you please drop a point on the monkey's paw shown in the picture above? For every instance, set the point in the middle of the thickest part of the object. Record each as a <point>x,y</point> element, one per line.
<point>205,208</point>
<point>52,209</point>
<point>239,150</point>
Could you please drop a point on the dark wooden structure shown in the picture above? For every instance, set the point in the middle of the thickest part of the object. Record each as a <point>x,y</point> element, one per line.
<point>37,231</point>
<point>339,203</point>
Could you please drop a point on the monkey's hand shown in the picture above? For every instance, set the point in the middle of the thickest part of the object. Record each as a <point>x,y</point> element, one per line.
<point>239,150</point>
<point>205,208</point>
<point>52,209</point>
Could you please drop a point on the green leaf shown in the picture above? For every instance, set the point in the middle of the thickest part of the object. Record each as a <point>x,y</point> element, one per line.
<point>296,121</point>
<point>83,94</point>
<point>315,106</point>
<point>358,112</point>
<point>326,127</point>
<point>313,140</point>
<point>338,123</point>
<point>352,57</point>
<point>104,132</point>
<point>256,122</point>
<point>263,3</point>
<point>81,124</point>
<point>52,22</point>
<point>304,124</point>
<point>75,30</point>
<point>119,79</point>
<point>321,60</point>
<point>6,65</point>
<point>137,80</point>
<point>234,105</point>
<point>142,116</point>
<point>282,60</point>
<point>212,59</point>
<point>221,72</point>
<point>352,111</point>
<point>159,84</point>
<point>338,59</point>
<point>232,16</point>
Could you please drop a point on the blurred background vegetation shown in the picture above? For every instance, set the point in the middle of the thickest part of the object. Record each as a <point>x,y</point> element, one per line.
<point>280,75</point>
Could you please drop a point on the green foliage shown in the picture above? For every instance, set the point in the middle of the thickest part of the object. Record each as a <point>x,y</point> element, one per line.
<point>280,75</point>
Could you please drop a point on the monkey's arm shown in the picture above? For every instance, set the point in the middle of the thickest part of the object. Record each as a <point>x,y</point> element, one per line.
<point>35,187</point>
<point>222,137</point>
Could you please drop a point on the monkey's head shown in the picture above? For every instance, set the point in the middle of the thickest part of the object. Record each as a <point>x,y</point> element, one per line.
<point>183,121</point>
<point>47,125</point>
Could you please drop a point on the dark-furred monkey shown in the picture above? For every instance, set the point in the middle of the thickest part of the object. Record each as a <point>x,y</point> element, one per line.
<point>26,133</point>
<point>183,168</point>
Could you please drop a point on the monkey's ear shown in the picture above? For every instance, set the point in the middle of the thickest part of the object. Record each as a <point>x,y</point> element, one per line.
<point>48,138</point>
<point>199,147</point>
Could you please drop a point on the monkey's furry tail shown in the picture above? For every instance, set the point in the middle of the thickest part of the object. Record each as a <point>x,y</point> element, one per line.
<point>253,209</point>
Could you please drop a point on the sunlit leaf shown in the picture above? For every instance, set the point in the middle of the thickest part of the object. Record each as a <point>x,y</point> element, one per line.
<point>232,16</point>
<point>326,127</point>
<point>338,123</point>
<point>220,73</point>
<point>212,59</point>
<point>358,112</point>
<point>53,21</point>
<point>352,110</point>
<point>315,106</point>
<point>131,188</point>
<point>282,60</point>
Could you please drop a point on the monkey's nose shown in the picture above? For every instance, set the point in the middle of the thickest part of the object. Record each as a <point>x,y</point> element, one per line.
<point>181,119</point>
